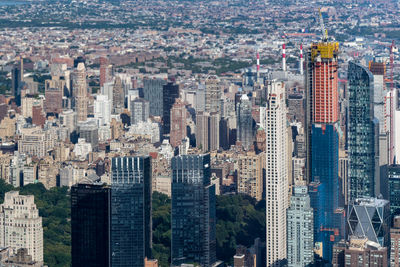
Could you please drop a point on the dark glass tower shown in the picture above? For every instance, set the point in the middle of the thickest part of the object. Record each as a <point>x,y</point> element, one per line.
<point>193,211</point>
<point>361,133</point>
<point>244,123</point>
<point>130,211</point>
<point>170,94</point>
<point>153,92</point>
<point>90,225</point>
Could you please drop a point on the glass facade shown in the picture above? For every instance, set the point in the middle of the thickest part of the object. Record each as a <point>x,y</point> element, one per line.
<point>361,132</point>
<point>193,211</point>
<point>394,189</point>
<point>325,191</point>
<point>130,211</point>
<point>90,224</point>
<point>370,217</point>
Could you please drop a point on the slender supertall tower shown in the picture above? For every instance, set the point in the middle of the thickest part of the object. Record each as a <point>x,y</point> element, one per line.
<point>284,57</point>
<point>81,95</point>
<point>301,59</point>
<point>258,66</point>
<point>323,143</point>
<point>276,189</point>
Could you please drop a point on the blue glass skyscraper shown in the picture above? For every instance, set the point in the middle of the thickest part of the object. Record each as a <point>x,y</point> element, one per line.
<point>193,211</point>
<point>361,133</point>
<point>130,211</point>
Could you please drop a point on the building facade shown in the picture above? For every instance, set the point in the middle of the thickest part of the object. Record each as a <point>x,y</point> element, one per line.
<point>300,228</point>
<point>131,225</point>
<point>21,225</point>
<point>178,129</point>
<point>276,188</point>
<point>361,132</point>
<point>140,110</point>
<point>81,100</point>
<point>193,211</point>
<point>90,225</point>
<point>245,122</point>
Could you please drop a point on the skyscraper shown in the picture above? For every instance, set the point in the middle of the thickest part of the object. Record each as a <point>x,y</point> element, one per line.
<point>300,225</point>
<point>322,141</point>
<point>118,95</point>
<point>250,174</point>
<point>21,225</point>
<point>153,92</point>
<point>90,225</point>
<point>394,189</point>
<point>131,225</point>
<point>81,93</point>
<point>212,94</point>
<point>193,211</point>
<point>276,188</point>
<point>361,132</point>
<point>244,122</point>
<point>370,217</point>
<point>170,93</point>
<point>140,110</point>
<point>178,123</point>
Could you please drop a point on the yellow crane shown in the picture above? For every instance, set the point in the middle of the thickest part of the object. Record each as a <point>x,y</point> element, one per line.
<point>324,31</point>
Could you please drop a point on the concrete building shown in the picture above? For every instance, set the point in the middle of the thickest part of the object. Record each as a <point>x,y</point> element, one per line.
<point>276,188</point>
<point>359,251</point>
<point>212,94</point>
<point>102,110</point>
<point>178,123</point>
<point>250,174</point>
<point>395,243</point>
<point>118,96</point>
<point>81,99</point>
<point>300,228</point>
<point>21,225</point>
<point>140,110</point>
<point>53,102</point>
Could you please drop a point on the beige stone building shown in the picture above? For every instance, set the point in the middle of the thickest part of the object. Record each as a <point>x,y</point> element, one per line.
<point>21,225</point>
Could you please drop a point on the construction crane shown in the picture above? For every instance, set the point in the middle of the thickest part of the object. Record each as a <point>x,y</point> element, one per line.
<point>324,31</point>
<point>392,102</point>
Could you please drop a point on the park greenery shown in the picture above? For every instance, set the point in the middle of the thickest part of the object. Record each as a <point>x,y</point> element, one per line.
<point>240,219</point>
<point>54,208</point>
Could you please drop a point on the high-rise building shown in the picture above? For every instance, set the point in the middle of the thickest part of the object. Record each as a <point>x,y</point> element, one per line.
<point>118,96</point>
<point>361,132</point>
<point>170,94</point>
<point>370,217</point>
<point>153,92</point>
<point>193,211</point>
<point>90,132</point>
<point>21,225</point>
<point>300,225</point>
<point>53,102</point>
<point>250,174</point>
<point>105,71</point>
<point>140,110</point>
<point>395,242</point>
<point>322,143</point>
<point>102,110</point>
<point>38,116</point>
<point>81,100</point>
<point>90,225</point>
<point>131,225</point>
<point>244,122</point>
<point>276,188</point>
<point>212,94</point>
<point>17,76</point>
<point>178,129</point>
<point>394,189</point>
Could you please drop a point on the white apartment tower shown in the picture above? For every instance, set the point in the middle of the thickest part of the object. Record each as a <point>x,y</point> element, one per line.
<point>276,189</point>
<point>81,93</point>
<point>21,225</point>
